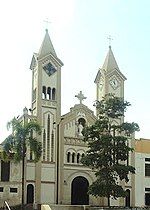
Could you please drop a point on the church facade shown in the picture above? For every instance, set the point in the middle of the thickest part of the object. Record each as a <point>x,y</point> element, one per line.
<point>59,177</point>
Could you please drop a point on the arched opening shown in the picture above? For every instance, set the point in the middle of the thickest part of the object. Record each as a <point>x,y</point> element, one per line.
<point>44,92</point>
<point>127,204</point>
<point>30,193</point>
<point>78,158</point>
<point>68,157</point>
<point>53,94</point>
<point>83,155</point>
<point>73,157</point>
<point>48,93</point>
<point>79,189</point>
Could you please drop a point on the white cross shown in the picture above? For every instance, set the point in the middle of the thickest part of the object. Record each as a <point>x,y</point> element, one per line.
<point>110,39</point>
<point>80,96</point>
<point>47,22</point>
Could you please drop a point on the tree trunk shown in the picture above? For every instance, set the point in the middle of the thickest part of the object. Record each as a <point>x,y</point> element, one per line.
<point>22,202</point>
<point>23,171</point>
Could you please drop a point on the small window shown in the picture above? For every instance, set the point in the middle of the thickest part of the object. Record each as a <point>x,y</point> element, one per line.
<point>1,189</point>
<point>147,199</point>
<point>147,169</point>
<point>147,159</point>
<point>13,190</point>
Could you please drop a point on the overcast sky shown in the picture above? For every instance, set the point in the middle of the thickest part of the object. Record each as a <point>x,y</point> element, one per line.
<point>79,31</point>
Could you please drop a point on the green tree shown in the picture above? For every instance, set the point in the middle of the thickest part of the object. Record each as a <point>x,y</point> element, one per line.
<point>24,135</point>
<point>108,143</point>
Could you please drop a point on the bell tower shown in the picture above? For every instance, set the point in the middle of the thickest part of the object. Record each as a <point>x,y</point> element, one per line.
<point>46,107</point>
<point>109,78</point>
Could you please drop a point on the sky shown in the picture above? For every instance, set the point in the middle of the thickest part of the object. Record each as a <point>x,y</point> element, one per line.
<point>79,30</point>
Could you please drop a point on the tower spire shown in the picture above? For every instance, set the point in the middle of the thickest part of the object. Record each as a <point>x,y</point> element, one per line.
<point>110,61</point>
<point>47,46</point>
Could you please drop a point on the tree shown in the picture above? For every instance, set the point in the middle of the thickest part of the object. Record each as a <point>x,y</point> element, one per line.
<point>24,135</point>
<point>108,148</point>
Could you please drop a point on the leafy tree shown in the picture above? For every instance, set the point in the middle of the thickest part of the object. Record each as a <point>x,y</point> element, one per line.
<point>24,135</point>
<point>108,143</point>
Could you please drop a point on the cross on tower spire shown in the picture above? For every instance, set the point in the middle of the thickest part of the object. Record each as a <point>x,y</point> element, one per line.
<point>80,96</point>
<point>110,39</point>
<point>47,22</point>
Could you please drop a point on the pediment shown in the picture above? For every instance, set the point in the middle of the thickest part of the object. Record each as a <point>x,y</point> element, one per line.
<point>78,117</point>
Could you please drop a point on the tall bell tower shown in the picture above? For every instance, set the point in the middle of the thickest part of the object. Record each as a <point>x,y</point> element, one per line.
<point>110,79</point>
<point>46,107</point>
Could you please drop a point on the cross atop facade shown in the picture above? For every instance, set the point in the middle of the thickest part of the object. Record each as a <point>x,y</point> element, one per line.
<point>110,39</point>
<point>47,22</point>
<point>80,96</point>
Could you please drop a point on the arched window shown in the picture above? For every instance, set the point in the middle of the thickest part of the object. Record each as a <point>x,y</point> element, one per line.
<point>78,158</point>
<point>44,92</point>
<point>68,157</point>
<point>48,93</point>
<point>53,94</point>
<point>83,155</point>
<point>73,157</point>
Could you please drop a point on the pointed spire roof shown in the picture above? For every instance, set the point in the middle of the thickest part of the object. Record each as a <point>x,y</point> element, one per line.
<point>47,46</point>
<point>110,61</point>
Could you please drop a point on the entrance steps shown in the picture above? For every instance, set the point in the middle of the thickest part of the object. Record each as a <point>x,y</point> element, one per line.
<point>64,207</point>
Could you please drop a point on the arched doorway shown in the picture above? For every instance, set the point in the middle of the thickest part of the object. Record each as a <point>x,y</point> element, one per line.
<point>30,193</point>
<point>127,204</point>
<point>79,189</point>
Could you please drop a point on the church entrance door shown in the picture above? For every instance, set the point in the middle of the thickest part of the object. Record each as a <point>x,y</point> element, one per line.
<point>79,189</point>
<point>30,193</point>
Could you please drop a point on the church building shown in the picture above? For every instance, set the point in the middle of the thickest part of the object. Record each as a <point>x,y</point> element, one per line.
<point>59,177</point>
